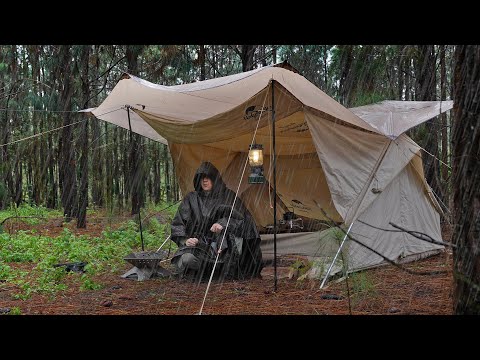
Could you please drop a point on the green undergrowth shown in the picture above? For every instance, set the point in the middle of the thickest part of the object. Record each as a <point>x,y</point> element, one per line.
<point>102,254</point>
<point>29,214</point>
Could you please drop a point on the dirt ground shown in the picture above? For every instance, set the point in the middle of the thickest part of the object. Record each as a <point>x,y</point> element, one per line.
<point>386,290</point>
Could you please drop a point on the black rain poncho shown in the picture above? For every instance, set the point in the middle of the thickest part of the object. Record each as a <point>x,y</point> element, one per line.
<point>199,210</point>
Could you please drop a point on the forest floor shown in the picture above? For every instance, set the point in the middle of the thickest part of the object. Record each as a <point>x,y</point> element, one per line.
<point>386,290</point>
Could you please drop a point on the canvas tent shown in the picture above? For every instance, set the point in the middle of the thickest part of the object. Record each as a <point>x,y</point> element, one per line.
<point>356,165</point>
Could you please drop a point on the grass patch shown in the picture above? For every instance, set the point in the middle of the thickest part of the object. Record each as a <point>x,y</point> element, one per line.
<point>29,214</point>
<point>102,254</point>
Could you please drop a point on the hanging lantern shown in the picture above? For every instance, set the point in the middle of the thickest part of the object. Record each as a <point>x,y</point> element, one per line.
<point>255,159</point>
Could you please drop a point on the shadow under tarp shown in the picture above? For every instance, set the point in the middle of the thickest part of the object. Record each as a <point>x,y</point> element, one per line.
<point>320,248</point>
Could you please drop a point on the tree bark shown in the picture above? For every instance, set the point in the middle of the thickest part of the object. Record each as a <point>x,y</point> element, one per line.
<point>247,53</point>
<point>425,91</point>
<point>166,172</point>
<point>156,175</point>
<point>109,161</point>
<point>39,151</point>
<point>407,66</point>
<point>18,181</point>
<point>445,140</point>
<point>52,185</point>
<point>136,181</point>
<point>325,68</point>
<point>117,161</point>
<point>346,61</point>
<point>67,159</point>
<point>98,195</point>
<point>201,62</point>
<point>83,142</point>
<point>5,166</point>
<point>466,179</point>
<point>401,75</point>
<point>262,55</point>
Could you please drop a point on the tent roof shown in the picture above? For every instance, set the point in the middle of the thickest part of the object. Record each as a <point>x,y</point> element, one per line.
<point>184,105</point>
<point>175,107</point>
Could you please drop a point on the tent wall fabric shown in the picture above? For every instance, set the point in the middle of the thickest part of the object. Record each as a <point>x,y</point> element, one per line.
<point>353,165</point>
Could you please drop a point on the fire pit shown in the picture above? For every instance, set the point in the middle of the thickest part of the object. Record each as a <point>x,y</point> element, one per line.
<point>146,259</point>
<point>146,265</point>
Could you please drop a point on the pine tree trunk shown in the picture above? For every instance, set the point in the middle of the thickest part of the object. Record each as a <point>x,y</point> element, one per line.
<point>41,168</point>
<point>201,62</point>
<point>445,140</point>
<point>425,91</point>
<point>98,196</point>
<point>39,149</point>
<point>117,161</point>
<point>83,142</point>
<point>83,173</point>
<point>36,189</point>
<point>174,184</point>
<point>52,185</point>
<point>408,86</point>
<point>5,166</point>
<point>401,75</point>
<point>5,161</point>
<point>18,181</point>
<point>247,55</point>
<point>262,55</point>
<point>67,157</point>
<point>29,182</point>
<point>109,160</point>
<point>156,175</point>
<point>166,172</point>
<point>136,179</point>
<point>137,176</point>
<point>466,179</point>
<point>325,68</point>
<point>214,61</point>
<point>345,85</point>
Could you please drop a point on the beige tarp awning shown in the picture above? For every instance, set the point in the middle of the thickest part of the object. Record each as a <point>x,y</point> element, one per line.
<point>393,118</point>
<point>177,109</point>
<point>192,112</point>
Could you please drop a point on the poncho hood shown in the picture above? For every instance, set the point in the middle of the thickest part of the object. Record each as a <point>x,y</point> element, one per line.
<point>209,170</point>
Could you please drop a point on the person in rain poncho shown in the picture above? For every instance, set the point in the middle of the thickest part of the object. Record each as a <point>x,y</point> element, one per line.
<point>200,230</point>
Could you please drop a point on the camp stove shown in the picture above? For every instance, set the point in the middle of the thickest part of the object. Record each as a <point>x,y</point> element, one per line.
<point>288,223</point>
<point>146,264</point>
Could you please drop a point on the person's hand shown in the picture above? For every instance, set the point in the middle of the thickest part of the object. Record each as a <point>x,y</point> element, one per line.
<point>191,242</point>
<point>216,228</point>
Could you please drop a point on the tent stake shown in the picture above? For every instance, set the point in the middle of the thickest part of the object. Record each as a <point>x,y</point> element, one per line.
<point>274,192</point>
<point>335,258</point>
